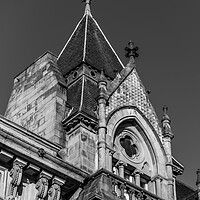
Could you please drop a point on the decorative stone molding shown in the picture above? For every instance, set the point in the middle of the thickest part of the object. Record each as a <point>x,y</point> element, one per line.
<point>5,156</point>
<point>16,175</point>
<point>54,192</point>
<point>42,185</point>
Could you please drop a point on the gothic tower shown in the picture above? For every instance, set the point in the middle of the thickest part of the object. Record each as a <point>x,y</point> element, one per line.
<point>89,123</point>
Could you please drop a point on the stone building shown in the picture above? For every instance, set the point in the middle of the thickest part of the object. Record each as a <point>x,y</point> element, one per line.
<point>80,126</point>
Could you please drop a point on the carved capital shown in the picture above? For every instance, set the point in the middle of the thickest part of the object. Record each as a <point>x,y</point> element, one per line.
<point>16,175</point>
<point>137,172</point>
<point>42,185</point>
<point>110,151</point>
<point>121,163</point>
<point>54,192</point>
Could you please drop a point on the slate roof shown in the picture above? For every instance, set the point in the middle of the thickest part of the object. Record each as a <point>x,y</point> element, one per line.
<point>88,44</point>
<point>83,98</point>
<point>182,190</point>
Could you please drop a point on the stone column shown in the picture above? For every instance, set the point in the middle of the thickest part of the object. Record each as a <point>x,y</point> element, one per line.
<point>110,156</point>
<point>167,139</point>
<point>101,101</point>
<point>16,175</point>
<point>158,181</point>
<point>152,187</point>
<point>42,185</point>
<point>137,174</point>
<point>198,183</point>
<point>121,165</point>
<point>54,192</point>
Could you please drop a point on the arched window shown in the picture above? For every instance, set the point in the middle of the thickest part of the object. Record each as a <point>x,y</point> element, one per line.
<point>133,149</point>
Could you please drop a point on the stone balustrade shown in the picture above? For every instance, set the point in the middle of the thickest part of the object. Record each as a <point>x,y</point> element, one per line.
<point>124,189</point>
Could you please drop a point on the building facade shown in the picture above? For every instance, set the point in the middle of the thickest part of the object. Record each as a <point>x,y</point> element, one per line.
<point>80,126</point>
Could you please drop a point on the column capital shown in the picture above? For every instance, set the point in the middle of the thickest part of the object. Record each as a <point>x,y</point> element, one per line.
<point>20,162</point>
<point>137,172</point>
<point>59,181</point>
<point>110,151</point>
<point>42,185</point>
<point>54,192</point>
<point>44,174</point>
<point>157,177</point>
<point>16,175</point>
<point>121,163</point>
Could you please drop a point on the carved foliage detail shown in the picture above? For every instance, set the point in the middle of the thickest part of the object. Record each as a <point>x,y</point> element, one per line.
<point>42,187</point>
<point>16,175</point>
<point>54,192</point>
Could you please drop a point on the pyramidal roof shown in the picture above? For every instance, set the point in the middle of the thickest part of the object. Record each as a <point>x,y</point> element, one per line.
<point>88,44</point>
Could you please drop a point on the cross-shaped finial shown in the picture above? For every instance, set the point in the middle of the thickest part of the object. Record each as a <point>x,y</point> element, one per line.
<point>87,5</point>
<point>87,1</point>
<point>131,50</point>
<point>165,109</point>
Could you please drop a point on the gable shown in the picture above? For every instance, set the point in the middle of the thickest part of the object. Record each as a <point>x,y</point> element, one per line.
<point>131,92</point>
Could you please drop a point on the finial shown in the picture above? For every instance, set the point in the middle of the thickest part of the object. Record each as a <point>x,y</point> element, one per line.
<point>166,124</point>
<point>165,115</point>
<point>198,177</point>
<point>102,76</point>
<point>87,6</point>
<point>131,50</point>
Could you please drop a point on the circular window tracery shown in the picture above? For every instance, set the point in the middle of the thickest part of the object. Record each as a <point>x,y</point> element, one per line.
<point>129,146</point>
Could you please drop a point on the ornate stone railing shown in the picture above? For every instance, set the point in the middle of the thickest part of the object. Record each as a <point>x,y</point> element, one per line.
<point>121,188</point>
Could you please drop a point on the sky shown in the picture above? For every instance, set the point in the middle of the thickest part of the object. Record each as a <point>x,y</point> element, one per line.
<point>166,32</point>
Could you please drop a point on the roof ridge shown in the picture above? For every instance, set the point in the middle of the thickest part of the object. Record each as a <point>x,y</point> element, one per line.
<point>85,38</point>
<point>107,41</point>
<point>71,36</point>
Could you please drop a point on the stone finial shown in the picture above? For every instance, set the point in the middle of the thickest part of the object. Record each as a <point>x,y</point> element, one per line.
<point>198,179</point>
<point>87,6</point>
<point>166,123</point>
<point>131,50</point>
<point>165,115</point>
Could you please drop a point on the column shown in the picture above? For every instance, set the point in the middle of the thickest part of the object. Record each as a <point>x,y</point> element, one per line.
<point>101,101</point>
<point>152,187</point>
<point>54,192</point>
<point>158,181</point>
<point>110,156</point>
<point>121,165</point>
<point>42,185</point>
<point>137,177</point>
<point>16,175</point>
<point>167,140</point>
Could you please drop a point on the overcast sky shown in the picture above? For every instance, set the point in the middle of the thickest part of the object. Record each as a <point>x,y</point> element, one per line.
<point>167,33</point>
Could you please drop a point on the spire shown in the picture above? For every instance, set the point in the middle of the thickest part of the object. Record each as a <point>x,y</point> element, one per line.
<point>131,51</point>
<point>87,6</point>
<point>166,123</point>
<point>88,44</point>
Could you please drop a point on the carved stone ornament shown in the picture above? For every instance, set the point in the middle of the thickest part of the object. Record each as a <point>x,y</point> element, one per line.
<point>54,192</point>
<point>41,152</point>
<point>16,175</point>
<point>42,187</point>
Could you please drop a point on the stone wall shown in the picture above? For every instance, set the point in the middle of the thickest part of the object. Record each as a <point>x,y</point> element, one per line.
<point>82,150</point>
<point>38,99</point>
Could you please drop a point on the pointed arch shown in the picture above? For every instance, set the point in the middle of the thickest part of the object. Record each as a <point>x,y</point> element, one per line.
<point>130,119</point>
